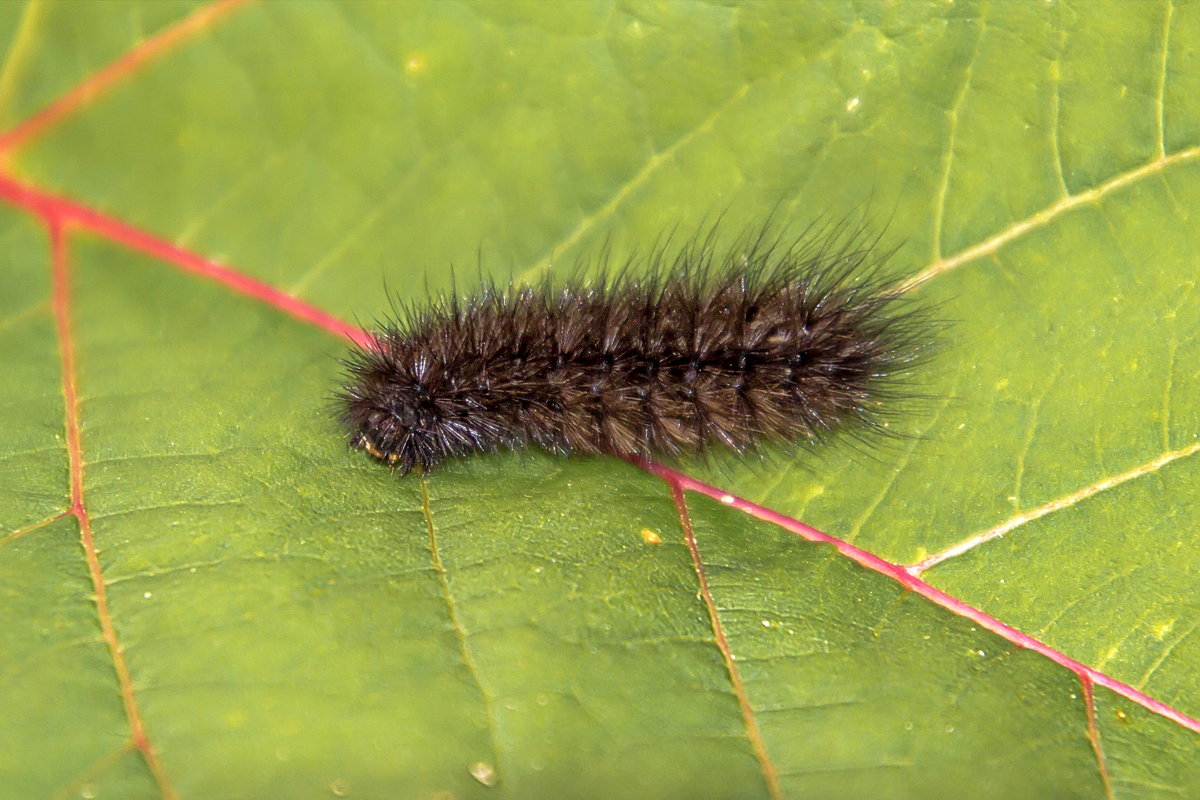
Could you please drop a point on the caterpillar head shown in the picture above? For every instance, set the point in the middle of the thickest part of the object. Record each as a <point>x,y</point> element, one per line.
<point>408,415</point>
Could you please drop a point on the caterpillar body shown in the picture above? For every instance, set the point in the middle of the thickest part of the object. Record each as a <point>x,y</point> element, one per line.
<point>769,340</point>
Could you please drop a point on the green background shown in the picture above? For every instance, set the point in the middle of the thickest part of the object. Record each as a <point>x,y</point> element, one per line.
<point>298,622</point>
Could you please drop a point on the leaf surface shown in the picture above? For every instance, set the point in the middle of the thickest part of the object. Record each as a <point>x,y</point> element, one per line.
<point>206,595</point>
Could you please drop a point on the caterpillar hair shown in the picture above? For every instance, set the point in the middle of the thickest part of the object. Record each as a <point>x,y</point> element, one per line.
<point>773,339</point>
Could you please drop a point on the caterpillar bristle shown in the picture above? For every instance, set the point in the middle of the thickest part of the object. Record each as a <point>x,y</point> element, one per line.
<point>777,338</point>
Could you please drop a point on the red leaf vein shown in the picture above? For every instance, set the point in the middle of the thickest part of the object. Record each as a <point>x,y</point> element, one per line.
<point>1093,734</point>
<point>770,775</point>
<point>117,71</point>
<point>66,213</point>
<point>60,212</point>
<point>900,574</point>
<point>62,318</point>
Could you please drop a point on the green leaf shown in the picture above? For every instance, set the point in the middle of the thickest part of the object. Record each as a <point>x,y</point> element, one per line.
<point>211,597</point>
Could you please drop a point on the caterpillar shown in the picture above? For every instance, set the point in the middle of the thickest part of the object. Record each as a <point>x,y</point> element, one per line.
<point>771,339</point>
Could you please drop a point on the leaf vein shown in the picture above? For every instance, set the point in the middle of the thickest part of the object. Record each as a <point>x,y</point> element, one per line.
<point>1058,504</point>
<point>460,631</point>
<point>1051,212</point>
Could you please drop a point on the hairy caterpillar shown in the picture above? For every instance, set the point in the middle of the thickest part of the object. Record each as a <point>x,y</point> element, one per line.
<point>773,339</point>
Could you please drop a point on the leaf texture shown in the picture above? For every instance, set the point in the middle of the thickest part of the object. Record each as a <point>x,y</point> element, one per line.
<point>205,595</point>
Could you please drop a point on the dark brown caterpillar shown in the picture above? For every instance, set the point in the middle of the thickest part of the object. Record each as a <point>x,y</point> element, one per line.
<point>775,340</point>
